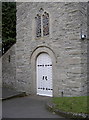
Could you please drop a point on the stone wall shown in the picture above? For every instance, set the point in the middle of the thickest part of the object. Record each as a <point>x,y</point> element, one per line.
<point>0,84</point>
<point>84,43</point>
<point>0,72</point>
<point>88,48</point>
<point>9,68</point>
<point>64,40</point>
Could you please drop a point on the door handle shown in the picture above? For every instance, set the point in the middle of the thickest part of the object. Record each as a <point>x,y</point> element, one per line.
<point>44,77</point>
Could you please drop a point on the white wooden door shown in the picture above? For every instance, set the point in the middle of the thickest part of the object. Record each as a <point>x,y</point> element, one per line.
<point>44,75</point>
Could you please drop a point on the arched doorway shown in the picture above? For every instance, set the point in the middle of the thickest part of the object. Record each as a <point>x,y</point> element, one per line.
<point>44,75</point>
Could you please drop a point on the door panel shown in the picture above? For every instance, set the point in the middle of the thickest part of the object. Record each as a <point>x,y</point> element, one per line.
<point>44,75</point>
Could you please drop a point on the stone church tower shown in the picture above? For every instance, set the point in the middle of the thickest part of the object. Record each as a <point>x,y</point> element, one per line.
<point>51,48</point>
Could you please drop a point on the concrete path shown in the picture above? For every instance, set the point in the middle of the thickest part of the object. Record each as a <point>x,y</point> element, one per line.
<point>27,107</point>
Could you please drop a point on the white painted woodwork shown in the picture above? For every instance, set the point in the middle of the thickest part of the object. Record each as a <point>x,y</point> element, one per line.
<point>44,75</point>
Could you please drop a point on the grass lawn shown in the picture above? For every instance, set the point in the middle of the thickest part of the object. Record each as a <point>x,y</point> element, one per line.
<point>72,104</point>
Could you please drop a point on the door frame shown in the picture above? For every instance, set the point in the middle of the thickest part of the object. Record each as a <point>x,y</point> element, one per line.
<point>33,58</point>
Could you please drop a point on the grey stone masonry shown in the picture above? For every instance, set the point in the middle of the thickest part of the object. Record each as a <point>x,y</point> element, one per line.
<point>9,68</point>
<point>68,20</point>
<point>68,51</point>
<point>0,72</point>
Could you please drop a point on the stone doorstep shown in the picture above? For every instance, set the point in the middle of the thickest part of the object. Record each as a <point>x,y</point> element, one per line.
<point>70,115</point>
